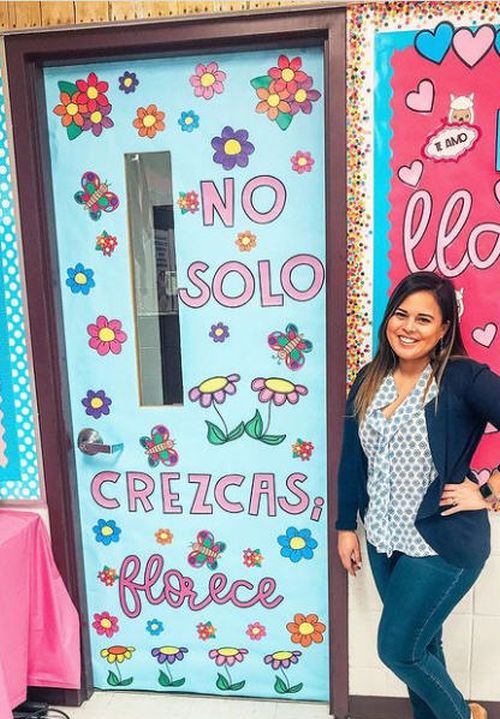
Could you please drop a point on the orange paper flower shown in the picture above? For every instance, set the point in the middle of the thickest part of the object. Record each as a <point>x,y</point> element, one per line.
<point>164,536</point>
<point>149,121</point>
<point>306,629</point>
<point>68,110</point>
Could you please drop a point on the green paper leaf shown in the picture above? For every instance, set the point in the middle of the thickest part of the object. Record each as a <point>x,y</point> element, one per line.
<point>178,682</point>
<point>163,679</point>
<point>126,682</point>
<point>296,688</point>
<point>273,438</point>
<point>262,81</point>
<point>222,683</point>
<point>255,426</point>
<point>236,432</point>
<point>283,120</point>
<point>68,87</point>
<point>73,131</point>
<point>215,435</point>
<point>279,686</point>
<point>236,687</point>
<point>113,680</point>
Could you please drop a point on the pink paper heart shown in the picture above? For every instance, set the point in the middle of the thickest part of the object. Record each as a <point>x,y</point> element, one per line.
<point>483,475</point>
<point>472,47</point>
<point>421,99</point>
<point>485,335</point>
<point>411,174</point>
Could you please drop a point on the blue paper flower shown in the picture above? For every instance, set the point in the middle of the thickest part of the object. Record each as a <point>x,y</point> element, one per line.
<point>297,544</point>
<point>128,82</point>
<point>154,627</point>
<point>189,121</point>
<point>106,531</point>
<point>80,279</point>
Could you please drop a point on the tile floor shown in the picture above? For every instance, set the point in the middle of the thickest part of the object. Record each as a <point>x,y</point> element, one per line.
<point>138,705</point>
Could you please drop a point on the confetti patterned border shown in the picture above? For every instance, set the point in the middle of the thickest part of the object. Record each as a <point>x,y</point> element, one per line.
<point>19,475</point>
<point>364,21</point>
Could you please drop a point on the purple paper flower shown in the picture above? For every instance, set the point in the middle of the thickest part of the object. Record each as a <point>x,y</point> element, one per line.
<point>96,403</point>
<point>97,120</point>
<point>219,332</point>
<point>232,148</point>
<point>303,97</point>
<point>169,654</point>
<point>128,82</point>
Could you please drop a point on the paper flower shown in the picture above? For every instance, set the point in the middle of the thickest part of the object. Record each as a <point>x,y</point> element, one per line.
<point>105,623</point>
<point>188,202</point>
<point>282,659</point>
<point>297,544</point>
<point>154,627</point>
<point>232,148</point>
<point>106,532</point>
<point>302,162</point>
<point>80,279</point>
<point>68,110</point>
<point>206,630</point>
<point>117,654</point>
<point>256,631</point>
<point>189,121</point>
<point>227,655</point>
<point>219,332</point>
<point>128,82</point>
<point>287,74</point>
<point>306,629</point>
<point>107,576</point>
<point>278,390</point>
<point>98,120</point>
<point>106,336</point>
<point>91,94</point>
<point>272,102</point>
<point>252,558</point>
<point>149,121</point>
<point>164,536</point>
<point>302,98</point>
<point>96,403</point>
<point>303,449</point>
<point>208,80</point>
<point>169,654</point>
<point>246,241</point>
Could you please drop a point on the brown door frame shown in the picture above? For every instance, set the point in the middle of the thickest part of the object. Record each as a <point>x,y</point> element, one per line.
<point>27,54</point>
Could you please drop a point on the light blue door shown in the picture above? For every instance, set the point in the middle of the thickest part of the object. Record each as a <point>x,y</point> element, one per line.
<point>190,217</point>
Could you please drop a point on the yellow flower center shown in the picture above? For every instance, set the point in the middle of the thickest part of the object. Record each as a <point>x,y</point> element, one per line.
<point>245,240</point>
<point>96,402</point>
<point>232,147</point>
<point>106,623</point>
<point>228,651</point>
<point>72,108</point>
<point>207,79</point>
<point>81,278</point>
<point>92,93</point>
<point>255,630</point>
<point>106,334</point>
<point>188,121</point>
<point>168,651</point>
<point>306,628</point>
<point>301,95</point>
<point>219,332</point>
<point>302,161</point>
<point>154,626</point>
<point>213,384</point>
<point>106,531</point>
<point>297,543</point>
<point>287,74</point>
<point>96,117</point>
<point>127,82</point>
<point>273,100</point>
<point>283,386</point>
<point>282,655</point>
<point>149,120</point>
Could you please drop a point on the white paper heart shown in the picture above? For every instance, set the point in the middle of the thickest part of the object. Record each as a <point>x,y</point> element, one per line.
<point>411,174</point>
<point>485,335</point>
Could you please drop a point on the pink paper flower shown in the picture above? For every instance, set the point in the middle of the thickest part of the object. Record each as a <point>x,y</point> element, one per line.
<point>106,624</point>
<point>256,631</point>
<point>208,80</point>
<point>227,655</point>
<point>302,162</point>
<point>106,336</point>
<point>278,390</point>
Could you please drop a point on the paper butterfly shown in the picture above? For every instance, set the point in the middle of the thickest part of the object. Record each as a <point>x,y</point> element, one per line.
<point>205,550</point>
<point>160,447</point>
<point>289,347</point>
<point>95,196</point>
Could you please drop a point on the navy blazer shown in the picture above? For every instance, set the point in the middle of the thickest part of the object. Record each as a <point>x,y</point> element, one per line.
<point>469,398</point>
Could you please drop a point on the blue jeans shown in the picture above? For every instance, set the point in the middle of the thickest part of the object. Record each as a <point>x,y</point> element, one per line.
<point>418,593</point>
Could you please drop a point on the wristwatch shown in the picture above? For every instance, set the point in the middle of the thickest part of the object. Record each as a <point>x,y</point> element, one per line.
<point>486,490</point>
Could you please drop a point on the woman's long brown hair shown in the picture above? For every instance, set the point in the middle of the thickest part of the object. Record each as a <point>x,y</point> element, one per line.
<point>385,360</point>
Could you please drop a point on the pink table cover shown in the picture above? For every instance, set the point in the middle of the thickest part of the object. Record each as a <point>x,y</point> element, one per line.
<point>39,625</point>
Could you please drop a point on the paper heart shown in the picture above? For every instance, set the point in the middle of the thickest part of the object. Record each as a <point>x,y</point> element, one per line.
<point>421,99</point>
<point>483,475</point>
<point>472,47</point>
<point>485,335</point>
<point>490,429</point>
<point>434,45</point>
<point>411,174</point>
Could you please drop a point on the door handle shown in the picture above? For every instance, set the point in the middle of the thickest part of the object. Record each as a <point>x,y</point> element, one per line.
<point>90,442</point>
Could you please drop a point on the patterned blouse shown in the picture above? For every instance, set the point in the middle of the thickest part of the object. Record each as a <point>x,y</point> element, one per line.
<point>400,467</point>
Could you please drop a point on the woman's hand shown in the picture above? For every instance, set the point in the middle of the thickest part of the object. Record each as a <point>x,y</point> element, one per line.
<point>349,551</point>
<point>462,497</point>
